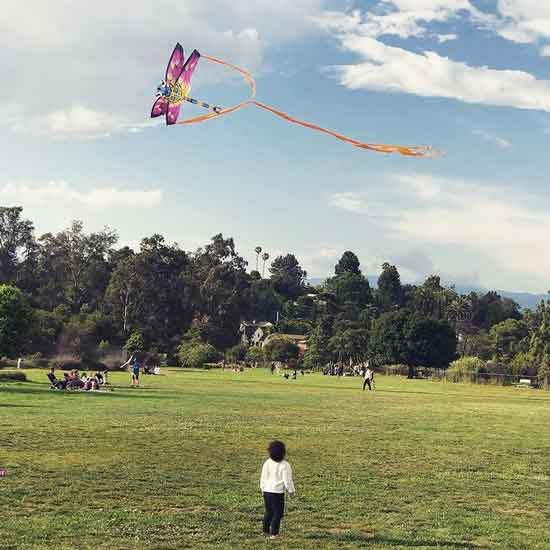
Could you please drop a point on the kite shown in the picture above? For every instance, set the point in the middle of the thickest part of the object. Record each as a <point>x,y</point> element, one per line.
<point>176,89</point>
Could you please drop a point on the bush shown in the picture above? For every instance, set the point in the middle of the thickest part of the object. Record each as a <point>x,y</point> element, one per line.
<point>280,348</point>
<point>13,377</point>
<point>255,355</point>
<point>465,369</point>
<point>236,354</point>
<point>196,354</point>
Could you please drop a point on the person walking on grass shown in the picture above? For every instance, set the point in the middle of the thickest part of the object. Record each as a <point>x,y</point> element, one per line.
<point>276,477</point>
<point>369,378</point>
<point>135,372</point>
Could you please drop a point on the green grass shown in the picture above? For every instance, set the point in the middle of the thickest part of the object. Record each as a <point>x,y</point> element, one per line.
<point>175,464</point>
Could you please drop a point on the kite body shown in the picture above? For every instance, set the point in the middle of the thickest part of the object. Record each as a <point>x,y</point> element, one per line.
<point>176,87</point>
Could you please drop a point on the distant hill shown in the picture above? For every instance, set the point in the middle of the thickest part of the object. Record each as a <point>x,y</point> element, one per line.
<point>526,300</point>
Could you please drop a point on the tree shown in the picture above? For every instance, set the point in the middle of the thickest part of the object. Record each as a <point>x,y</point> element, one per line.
<point>387,343</point>
<point>44,331</point>
<point>262,302</point>
<point>430,343</point>
<point>318,353</point>
<point>255,355</point>
<point>75,267</point>
<point>152,291</point>
<point>401,337</point>
<point>432,299</point>
<point>135,343</point>
<point>16,237</point>
<point>15,320</point>
<point>348,263</point>
<point>389,287</point>
<point>287,276</point>
<point>508,338</point>
<point>237,353</point>
<point>491,309</point>
<point>350,287</point>
<point>196,354</point>
<point>281,348</point>
<point>349,345</point>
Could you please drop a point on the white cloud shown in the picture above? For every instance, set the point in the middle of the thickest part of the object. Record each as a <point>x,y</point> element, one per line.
<point>389,68</point>
<point>506,229</point>
<point>352,202</point>
<point>61,194</point>
<point>491,138</point>
<point>524,20</point>
<point>94,66</point>
<point>442,38</point>
<point>75,121</point>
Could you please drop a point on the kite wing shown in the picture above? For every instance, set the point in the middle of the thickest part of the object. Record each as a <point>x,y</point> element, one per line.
<point>175,65</point>
<point>160,107</point>
<point>181,88</point>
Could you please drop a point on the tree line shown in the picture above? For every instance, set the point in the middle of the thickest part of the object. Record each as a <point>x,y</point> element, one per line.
<point>76,294</point>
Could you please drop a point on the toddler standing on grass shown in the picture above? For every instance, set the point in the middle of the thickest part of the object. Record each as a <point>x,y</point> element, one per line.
<point>275,479</point>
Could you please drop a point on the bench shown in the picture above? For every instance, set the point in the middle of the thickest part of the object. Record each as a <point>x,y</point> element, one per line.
<point>524,383</point>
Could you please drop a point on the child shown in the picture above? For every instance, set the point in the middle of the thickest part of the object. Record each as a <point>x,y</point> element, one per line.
<point>135,372</point>
<point>276,477</point>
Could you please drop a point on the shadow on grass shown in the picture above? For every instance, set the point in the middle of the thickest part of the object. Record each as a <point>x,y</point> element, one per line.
<point>369,539</point>
<point>14,405</point>
<point>89,394</point>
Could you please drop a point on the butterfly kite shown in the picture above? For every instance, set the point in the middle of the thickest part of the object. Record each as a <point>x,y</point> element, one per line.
<point>176,88</point>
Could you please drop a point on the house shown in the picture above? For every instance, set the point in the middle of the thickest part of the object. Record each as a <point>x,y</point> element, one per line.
<point>254,333</point>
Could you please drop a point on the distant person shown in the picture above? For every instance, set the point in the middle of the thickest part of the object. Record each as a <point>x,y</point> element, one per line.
<point>368,378</point>
<point>136,367</point>
<point>276,477</point>
<point>272,368</point>
<point>55,383</point>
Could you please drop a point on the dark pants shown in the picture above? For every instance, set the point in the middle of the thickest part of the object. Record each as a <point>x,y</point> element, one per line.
<point>274,511</point>
<point>367,382</point>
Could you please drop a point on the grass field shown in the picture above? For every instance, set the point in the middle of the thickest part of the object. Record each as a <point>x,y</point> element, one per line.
<point>175,464</point>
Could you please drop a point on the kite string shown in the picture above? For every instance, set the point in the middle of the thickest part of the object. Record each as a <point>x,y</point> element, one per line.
<point>415,151</point>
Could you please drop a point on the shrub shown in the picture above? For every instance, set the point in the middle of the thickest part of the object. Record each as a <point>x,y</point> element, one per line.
<point>280,348</point>
<point>196,354</point>
<point>13,377</point>
<point>236,353</point>
<point>465,369</point>
<point>255,355</point>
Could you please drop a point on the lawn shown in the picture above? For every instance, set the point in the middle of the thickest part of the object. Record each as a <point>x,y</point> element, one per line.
<point>175,463</point>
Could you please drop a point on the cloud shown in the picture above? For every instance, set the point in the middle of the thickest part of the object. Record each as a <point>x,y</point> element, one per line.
<point>491,138</point>
<point>394,69</point>
<point>62,194</point>
<point>524,21</point>
<point>503,233</point>
<point>87,68</point>
<point>442,38</point>
<point>352,202</point>
<point>75,121</point>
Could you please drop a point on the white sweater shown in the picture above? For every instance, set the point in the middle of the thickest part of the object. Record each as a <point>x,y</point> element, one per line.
<point>276,477</point>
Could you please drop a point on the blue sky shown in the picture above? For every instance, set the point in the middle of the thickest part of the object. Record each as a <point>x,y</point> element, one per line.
<point>471,78</point>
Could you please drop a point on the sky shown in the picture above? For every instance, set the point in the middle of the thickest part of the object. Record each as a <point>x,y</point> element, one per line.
<point>468,77</point>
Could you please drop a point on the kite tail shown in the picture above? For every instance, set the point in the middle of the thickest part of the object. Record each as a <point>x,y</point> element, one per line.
<point>410,151</point>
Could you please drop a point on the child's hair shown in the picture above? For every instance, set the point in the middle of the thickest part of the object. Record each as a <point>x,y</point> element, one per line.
<point>276,450</point>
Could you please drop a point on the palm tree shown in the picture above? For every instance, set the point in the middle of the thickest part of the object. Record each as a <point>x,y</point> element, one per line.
<point>265,257</point>
<point>258,251</point>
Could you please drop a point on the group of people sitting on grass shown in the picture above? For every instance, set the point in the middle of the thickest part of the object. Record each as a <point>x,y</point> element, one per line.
<point>73,380</point>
